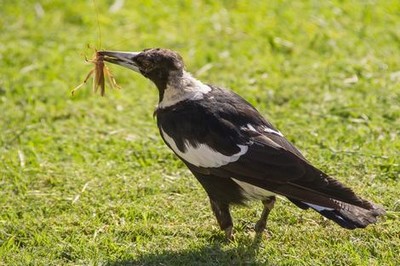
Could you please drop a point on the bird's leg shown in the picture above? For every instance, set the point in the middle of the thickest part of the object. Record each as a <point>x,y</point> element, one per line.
<point>262,222</point>
<point>223,216</point>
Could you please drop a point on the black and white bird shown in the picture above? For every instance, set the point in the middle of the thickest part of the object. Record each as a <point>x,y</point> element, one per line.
<point>233,151</point>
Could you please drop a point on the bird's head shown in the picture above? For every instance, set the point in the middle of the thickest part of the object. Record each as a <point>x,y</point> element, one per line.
<point>157,64</point>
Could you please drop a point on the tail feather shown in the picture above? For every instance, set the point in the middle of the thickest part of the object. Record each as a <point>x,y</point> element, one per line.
<point>349,216</point>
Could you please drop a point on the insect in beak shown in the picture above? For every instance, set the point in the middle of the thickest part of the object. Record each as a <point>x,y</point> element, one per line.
<point>100,72</point>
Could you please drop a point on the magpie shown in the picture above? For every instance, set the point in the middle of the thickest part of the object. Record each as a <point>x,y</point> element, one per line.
<point>233,151</point>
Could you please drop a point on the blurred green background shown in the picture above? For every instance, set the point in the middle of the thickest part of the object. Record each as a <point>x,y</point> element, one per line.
<point>86,180</point>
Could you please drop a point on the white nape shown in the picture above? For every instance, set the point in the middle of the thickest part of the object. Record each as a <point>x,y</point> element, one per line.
<point>253,192</point>
<point>202,155</point>
<point>184,88</point>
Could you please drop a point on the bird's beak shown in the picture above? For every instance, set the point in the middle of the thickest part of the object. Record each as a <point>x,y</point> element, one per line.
<point>125,59</point>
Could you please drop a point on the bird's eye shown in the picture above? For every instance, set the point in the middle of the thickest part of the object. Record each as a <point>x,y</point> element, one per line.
<point>147,65</point>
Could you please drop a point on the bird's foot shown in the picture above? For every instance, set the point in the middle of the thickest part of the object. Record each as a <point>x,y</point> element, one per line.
<point>229,233</point>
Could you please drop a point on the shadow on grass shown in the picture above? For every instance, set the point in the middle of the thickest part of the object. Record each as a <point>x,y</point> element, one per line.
<point>218,253</point>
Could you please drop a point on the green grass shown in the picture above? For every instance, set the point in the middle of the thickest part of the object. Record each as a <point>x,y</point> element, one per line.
<point>86,180</point>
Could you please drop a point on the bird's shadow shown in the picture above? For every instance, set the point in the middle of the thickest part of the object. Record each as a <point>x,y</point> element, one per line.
<point>219,252</point>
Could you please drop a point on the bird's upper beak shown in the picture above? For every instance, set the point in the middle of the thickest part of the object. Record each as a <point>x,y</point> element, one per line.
<point>125,59</point>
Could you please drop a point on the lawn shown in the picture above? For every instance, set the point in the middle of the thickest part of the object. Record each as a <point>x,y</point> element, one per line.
<point>86,180</point>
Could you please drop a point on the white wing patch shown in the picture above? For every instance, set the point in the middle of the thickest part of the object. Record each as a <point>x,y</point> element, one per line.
<point>253,192</point>
<point>250,127</point>
<point>318,208</point>
<point>203,155</point>
<point>269,130</point>
<point>266,129</point>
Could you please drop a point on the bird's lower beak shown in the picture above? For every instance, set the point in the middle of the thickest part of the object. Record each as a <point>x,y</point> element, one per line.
<point>125,59</point>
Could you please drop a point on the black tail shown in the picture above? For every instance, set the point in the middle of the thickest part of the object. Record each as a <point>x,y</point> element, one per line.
<point>352,217</point>
<point>346,215</point>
